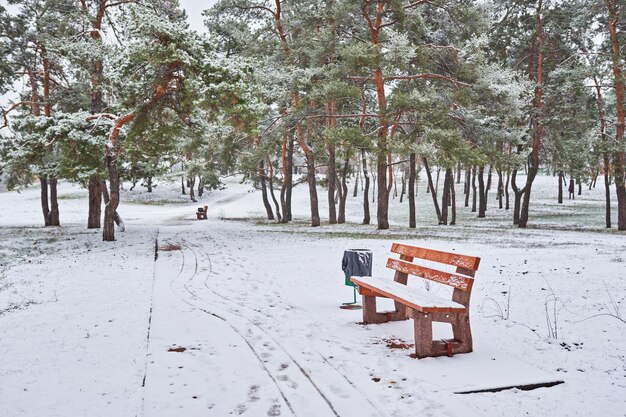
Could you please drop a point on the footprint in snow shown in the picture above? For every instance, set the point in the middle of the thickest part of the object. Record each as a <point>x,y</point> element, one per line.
<point>274,410</point>
<point>253,393</point>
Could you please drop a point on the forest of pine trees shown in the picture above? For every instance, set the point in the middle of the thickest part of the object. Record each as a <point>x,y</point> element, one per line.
<point>484,95</point>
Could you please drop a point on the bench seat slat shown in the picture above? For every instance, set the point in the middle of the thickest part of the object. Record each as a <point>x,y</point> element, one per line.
<point>454,280</point>
<point>462,261</point>
<point>412,297</point>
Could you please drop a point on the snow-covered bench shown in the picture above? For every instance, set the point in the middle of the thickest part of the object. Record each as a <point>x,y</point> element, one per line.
<point>424,307</point>
<point>201,213</point>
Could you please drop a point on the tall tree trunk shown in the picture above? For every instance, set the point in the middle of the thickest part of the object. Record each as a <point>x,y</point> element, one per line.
<point>403,189</point>
<point>310,166</point>
<point>108,231</point>
<point>200,186</point>
<point>182,185</point>
<point>482,201</point>
<point>382,151</point>
<point>54,203</point>
<point>366,202</point>
<point>453,200</point>
<point>96,107</point>
<point>266,202</point>
<point>412,178</point>
<point>433,192</point>
<point>343,195</point>
<point>95,202</point>
<point>45,208</point>
<point>607,194</point>
<point>356,184</point>
<point>192,186</point>
<point>517,201</point>
<point>285,190</point>
<point>270,171</point>
<point>467,186</point>
<point>445,196</point>
<point>473,189</point>
<point>500,188</point>
<point>458,172</point>
<point>506,189</point>
<point>538,130</point>
<point>618,157</point>
<point>488,186</point>
<point>331,175</point>
<point>117,219</point>
<point>560,197</point>
<point>290,150</point>
<point>112,152</point>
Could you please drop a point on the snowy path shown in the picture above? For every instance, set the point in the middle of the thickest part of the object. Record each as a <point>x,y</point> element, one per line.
<point>291,376</point>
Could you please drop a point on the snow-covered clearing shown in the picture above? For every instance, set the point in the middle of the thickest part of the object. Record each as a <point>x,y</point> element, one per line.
<point>241,317</point>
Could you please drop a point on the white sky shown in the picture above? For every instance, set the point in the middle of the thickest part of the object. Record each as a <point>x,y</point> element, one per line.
<point>194,10</point>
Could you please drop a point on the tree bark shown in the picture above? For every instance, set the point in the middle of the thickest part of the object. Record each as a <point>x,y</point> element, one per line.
<point>112,152</point>
<point>315,215</point>
<point>45,208</point>
<point>412,177</point>
<point>618,157</point>
<point>500,188</point>
<point>270,168</point>
<point>366,202</point>
<point>517,201</point>
<point>54,203</point>
<point>285,190</point>
<point>445,196</point>
<point>433,192</point>
<point>331,175</point>
<point>506,189</point>
<point>466,187</point>
<point>403,189</point>
<point>560,196</point>
<point>108,231</point>
<point>343,196</point>
<point>192,188</point>
<point>538,130</point>
<point>473,189</point>
<point>482,200</point>
<point>95,202</point>
<point>266,202</point>
<point>453,200</point>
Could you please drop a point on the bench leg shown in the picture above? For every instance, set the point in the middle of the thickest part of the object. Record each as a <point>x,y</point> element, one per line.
<point>462,331</point>
<point>371,316</point>
<point>423,324</point>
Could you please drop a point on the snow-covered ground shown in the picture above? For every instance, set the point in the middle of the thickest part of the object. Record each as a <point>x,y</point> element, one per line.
<point>239,316</point>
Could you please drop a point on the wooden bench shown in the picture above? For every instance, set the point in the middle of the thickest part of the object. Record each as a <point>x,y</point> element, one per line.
<point>422,306</point>
<point>202,213</point>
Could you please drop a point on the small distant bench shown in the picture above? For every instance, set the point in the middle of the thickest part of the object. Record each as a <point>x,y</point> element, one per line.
<point>424,307</point>
<point>201,213</point>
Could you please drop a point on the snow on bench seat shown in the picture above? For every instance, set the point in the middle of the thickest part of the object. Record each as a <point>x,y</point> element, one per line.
<point>411,297</point>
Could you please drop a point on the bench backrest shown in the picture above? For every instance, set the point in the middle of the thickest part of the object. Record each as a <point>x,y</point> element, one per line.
<point>462,280</point>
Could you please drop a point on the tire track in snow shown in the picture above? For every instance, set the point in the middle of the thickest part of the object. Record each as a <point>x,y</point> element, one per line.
<point>324,358</point>
<point>364,398</point>
<point>219,317</point>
